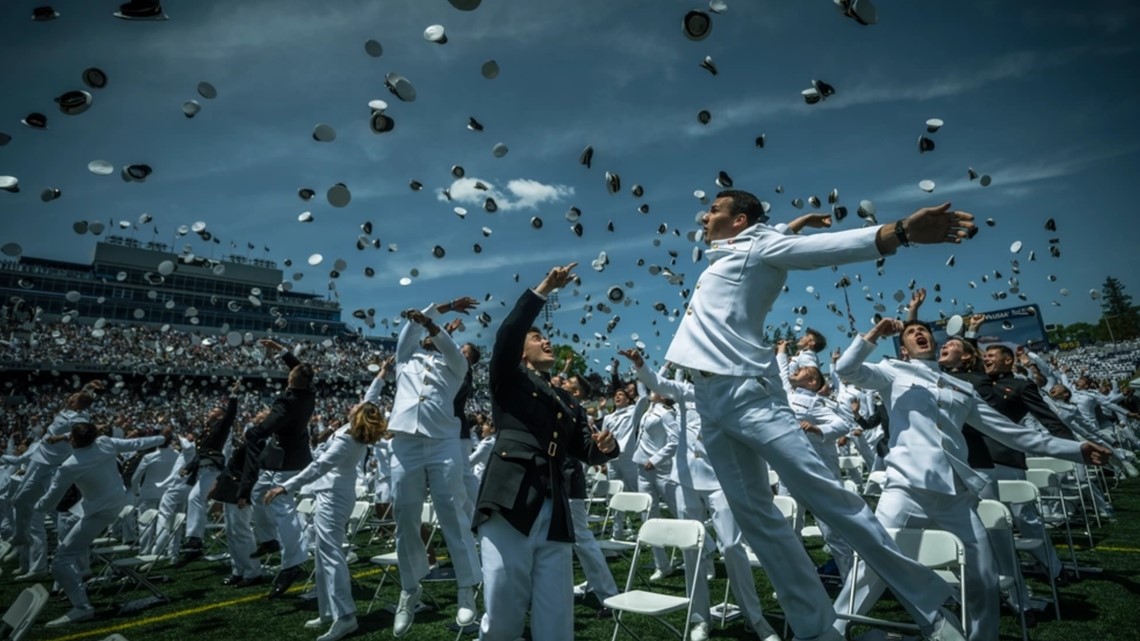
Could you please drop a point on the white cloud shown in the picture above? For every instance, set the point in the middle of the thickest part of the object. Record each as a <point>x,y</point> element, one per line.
<point>520,193</point>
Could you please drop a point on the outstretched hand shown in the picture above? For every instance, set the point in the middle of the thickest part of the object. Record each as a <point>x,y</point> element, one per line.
<point>557,277</point>
<point>633,355</point>
<point>933,225</point>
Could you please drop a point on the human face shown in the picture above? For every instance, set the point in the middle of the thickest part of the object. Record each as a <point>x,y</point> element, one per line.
<point>919,343</point>
<point>996,362</point>
<point>719,222</point>
<point>951,354</point>
<point>1059,393</point>
<point>620,399</point>
<point>537,352</point>
<point>804,378</point>
<point>468,353</point>
<point>805,342</point>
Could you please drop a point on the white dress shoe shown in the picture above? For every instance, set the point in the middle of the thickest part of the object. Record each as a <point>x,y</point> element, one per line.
<point>699,632</point>
<point>75,615</point>
<point>466,614</point>
<point>661,574</point>
<point>340,628</point>
<point>406,612</point>
<point>318,623</point>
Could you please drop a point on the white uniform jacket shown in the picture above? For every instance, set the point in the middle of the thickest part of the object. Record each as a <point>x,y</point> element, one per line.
<point>335,469</point>
<point>152,470</point>
<point>927,411</point>
<point>95,472</point>
<point>692,470</point>
<point>55,453</point>
<point>722,331</point>
<point>426,383</point>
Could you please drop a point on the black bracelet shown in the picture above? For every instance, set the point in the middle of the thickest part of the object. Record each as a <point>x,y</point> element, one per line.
<point>900,233</point>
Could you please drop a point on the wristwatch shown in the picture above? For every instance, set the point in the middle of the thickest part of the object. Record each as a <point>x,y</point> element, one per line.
<point>900,233</point>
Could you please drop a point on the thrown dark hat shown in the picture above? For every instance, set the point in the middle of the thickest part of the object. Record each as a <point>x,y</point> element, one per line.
<point>586,157</point>
<point>381,123</point>
<point>704,116</point>
<point>474,125</point>
<point>141,10</point>
<point>709,65</point>
<point>35,120</point>
<point>925,144</point>
<point>44,14</point>
<point>1051,225</point>
<point>74,102</point>
<point>94,77</point>
<point>724,180</point>
<point>613,183</point>
<point>696,25</point>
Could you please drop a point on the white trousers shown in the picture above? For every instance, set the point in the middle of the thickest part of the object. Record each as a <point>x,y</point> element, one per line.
<point>904,507</point>
<point>197,502</point>
<point>70,557</point>
<point>700,505</point>
<point>418,461</point>
<point>28,524</point>
<point>599,579</point>
<point>526,569</point>
<point>334,583</point>
<point>746,429</point>
<point>240,543</point>
<point>657,485</point>
<point>167,541</point>
<point>284,515</point>
<point>625,470</point>
<point>470,481</point>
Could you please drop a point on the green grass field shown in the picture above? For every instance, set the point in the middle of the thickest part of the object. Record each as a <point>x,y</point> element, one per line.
<point>1104,606</point>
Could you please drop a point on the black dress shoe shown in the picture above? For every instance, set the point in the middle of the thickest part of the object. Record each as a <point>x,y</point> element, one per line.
<point>188,557</point>
<point>285,578</point>
<point>604,613</point>
<point>232,579</point>
<point>268,547</point>
<point>192,543</point>
<point>253,580</point>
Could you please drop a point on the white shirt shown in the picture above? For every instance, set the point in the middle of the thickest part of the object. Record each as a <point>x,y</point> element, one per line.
<point>927,411</point>
<point>336,467</point>
<point>657,438</point>
<point>722,331</point>
<point>693,469</point>
<point>152,470</point>
<point>620,424</point>
<point>426,383</point>
<point>54,453</point>
<point>94,471</point>
<point>175,478</point>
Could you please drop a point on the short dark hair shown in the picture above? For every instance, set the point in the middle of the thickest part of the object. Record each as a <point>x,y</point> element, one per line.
<point>745,203</point>
<point>923,324</point>
<point>1004,349</point>
<point>83,434</point>
<point>302,376</point>
<point>476,355</point>
<point>817,379</point>
<point>820,341</point>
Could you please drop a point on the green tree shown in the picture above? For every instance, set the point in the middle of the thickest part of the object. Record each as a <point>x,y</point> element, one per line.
<point>577,361</point>
<point>1121,319</point>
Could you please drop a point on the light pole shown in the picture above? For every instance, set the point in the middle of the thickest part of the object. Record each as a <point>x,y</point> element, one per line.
<point>1108,325</point>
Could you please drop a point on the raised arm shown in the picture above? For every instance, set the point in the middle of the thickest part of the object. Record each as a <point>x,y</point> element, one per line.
<point>992,423</point>
<point>679,391</point>
<point>916,301</point>
<point>784,366</point>
<point>851,365</point>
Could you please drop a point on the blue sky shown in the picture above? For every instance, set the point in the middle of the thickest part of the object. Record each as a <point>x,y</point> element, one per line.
<point>1038,99</point>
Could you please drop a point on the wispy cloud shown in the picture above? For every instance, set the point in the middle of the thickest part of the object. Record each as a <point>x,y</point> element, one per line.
<point>519,193</point>
<point>1007,175</point>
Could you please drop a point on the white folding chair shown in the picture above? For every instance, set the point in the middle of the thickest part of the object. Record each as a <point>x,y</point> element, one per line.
<point>876,480</point>
<point>109,537</point>
<point>628,504</point>
<point>601,494</point>
<point>852,466</point>
<point>998,521</point>
<point>23,612</point>
<point>389,561</point>
<point>137,569</point>
<point>1026,493</point>
<point>935,549</point>
<point>1070,481</point>
<point>684,534</point>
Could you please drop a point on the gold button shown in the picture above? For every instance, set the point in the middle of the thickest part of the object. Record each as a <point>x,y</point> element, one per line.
<point>689,312</point>
<point>423,398</point>
<point>696,455</point>
<point>534,393</point>
<point>698,286</point>
<point>558,416</point>
<point>714,245</point>
<point>555,435</point>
